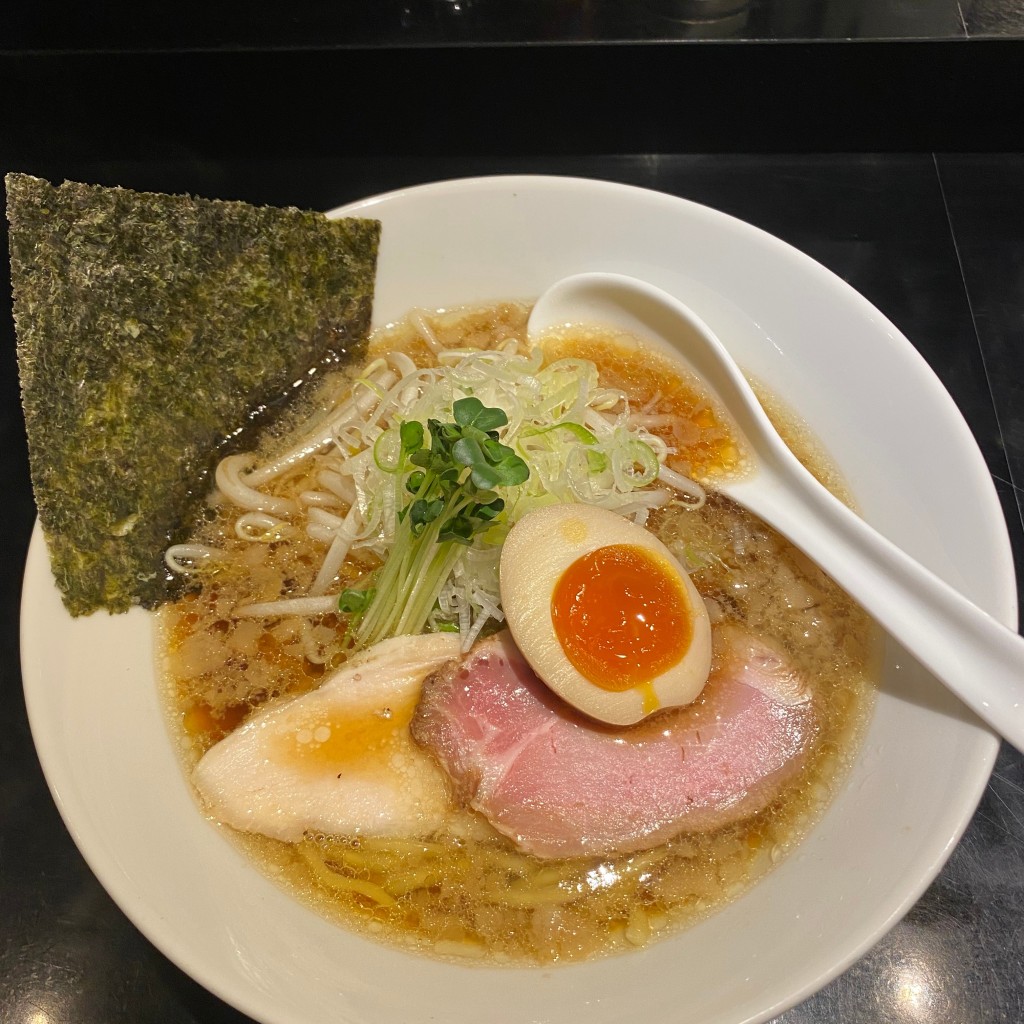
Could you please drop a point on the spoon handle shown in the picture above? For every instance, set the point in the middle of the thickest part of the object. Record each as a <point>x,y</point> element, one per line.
<point>979,659</point>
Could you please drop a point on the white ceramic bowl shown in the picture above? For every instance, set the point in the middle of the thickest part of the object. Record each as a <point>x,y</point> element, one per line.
<point>823,349</point>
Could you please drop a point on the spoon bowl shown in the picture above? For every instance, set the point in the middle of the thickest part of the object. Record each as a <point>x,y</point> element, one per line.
<point>972,653</point>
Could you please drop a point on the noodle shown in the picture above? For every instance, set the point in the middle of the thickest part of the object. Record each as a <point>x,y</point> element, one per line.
<point>339,882</point>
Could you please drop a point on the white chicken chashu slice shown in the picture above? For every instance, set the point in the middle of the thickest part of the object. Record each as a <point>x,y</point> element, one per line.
<point>338,760</point>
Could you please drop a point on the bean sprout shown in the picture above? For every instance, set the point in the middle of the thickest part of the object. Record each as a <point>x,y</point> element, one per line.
<point>260,527</point>
<point>288,606</point>
<point>580,440</point>
<point>683,485</point>
<point>233,484</point>
<point>185,558</point>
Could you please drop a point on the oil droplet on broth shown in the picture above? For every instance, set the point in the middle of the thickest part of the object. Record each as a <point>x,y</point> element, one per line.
<point>343,741</point>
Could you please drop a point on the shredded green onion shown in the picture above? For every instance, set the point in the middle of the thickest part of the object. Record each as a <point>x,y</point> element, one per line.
<point>434,466</point>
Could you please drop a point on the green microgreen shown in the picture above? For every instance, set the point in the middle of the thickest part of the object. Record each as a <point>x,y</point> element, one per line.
<point>452,483</point>
<point>355,601</point>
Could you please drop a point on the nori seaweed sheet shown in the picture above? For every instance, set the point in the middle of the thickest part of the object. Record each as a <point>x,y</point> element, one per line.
<point>151,329</point>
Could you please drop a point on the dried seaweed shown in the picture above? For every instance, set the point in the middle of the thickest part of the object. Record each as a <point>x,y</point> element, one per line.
<point>150,329</point>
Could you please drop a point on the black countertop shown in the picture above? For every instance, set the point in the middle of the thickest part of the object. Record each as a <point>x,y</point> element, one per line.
<point>232,80</point>
<point>123,26</point>
<point>882,138</point>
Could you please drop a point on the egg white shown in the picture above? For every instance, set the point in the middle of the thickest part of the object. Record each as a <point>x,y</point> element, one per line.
<point>538,550</point>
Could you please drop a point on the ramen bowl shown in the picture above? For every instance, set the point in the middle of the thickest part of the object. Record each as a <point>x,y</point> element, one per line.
<point>817,345</point>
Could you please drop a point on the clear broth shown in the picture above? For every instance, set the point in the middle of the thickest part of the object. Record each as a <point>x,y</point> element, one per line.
<point>467,893</point>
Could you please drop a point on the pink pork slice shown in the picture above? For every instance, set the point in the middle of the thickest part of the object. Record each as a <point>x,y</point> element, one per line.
<point>561,785</point>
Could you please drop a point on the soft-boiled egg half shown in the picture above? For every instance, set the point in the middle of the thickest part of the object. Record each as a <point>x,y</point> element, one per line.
<point>604,613</point>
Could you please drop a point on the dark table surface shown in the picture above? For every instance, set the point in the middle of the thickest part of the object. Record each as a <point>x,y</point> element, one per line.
<point>882,138</point>
<point>127,26</point>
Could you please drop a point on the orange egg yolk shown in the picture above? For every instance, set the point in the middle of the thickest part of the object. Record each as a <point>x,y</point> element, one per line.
<point>622,616</point>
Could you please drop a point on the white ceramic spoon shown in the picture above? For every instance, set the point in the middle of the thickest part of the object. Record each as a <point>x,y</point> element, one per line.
<point>975,655</point>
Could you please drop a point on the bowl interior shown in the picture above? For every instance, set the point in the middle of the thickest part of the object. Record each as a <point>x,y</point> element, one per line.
<point>819,346</point>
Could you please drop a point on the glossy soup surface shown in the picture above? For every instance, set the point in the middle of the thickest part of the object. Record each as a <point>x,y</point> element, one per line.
<point>467,892</point>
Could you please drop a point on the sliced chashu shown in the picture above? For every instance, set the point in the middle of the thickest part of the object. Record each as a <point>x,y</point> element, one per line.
<point>339,760</point>
<point>560,785</point>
